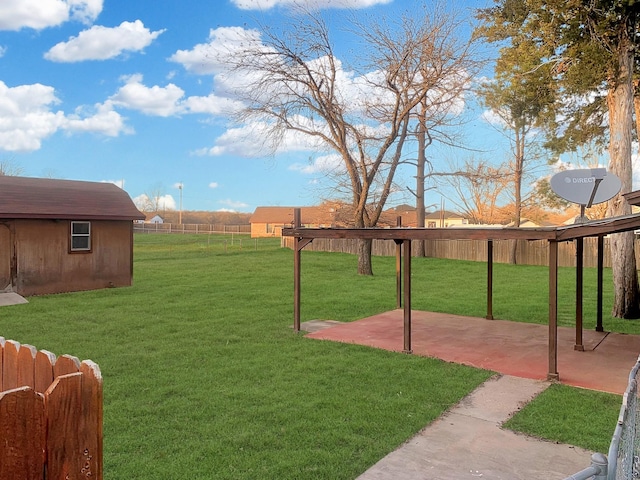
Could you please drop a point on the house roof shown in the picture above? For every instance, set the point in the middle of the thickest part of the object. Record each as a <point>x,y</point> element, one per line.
<point>25,197</point>
<point>446,214</point>
<point>284,215</point>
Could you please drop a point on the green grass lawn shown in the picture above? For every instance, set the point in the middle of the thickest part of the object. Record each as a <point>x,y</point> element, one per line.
<point>204,377</point>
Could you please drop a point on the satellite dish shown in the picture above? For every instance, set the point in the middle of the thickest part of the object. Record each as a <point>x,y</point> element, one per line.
<point>586,186</point>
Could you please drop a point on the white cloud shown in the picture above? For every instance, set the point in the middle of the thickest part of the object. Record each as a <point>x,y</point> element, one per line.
<point>117,183</point>
<point>178,185</point>
<point>252,140</point>
<point>214,185</point>
<point>314,4</point>
<point>209,58</point>
<point>492,118</point>
<point>323,165</point>
<point>3,50</point>
<point>233,204</point>
<point>165,202</point>
<point>158,101</point>
<point>635,168</point>
<point>40,14</point>
<point>102,43</point>
<point>103,120</point>
<point>27,117</point>
<point>169,100</point>
<point>212,105</point>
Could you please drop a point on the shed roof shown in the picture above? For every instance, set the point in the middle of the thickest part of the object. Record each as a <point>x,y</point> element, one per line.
<point>26,197</point>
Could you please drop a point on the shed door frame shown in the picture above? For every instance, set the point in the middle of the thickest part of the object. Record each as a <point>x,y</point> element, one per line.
<point>7,263</point>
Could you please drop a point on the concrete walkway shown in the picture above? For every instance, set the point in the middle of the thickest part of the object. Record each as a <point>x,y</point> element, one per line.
<point>10,298</point>
<point>467,442</point>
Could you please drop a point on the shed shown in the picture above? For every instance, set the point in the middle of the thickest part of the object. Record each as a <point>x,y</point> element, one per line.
<point>63,235</point>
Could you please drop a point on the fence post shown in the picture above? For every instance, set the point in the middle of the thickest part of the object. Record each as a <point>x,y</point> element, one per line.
<point>596,471</point>
<point>598,460</point>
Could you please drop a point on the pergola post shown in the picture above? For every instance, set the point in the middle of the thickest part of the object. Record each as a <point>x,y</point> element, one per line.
<point>489,280</point>
<point>296,273</point>
<point>398,267</point>
<point>407,295</point>
<point>552,373</point>
<point>599,327</point>
<point>579,292</point>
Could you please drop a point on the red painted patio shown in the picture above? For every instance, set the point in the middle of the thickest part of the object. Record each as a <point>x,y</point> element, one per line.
<point>511,348</point>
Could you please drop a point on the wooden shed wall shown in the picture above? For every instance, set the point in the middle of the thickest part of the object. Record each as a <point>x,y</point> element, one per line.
<point>45,264</point>
<point>5,257</point>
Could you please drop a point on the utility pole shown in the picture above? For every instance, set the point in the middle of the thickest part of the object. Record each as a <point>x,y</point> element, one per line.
<point>180,217</point>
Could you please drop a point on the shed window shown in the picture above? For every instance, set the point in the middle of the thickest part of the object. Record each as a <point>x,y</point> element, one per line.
<point>80,236</point>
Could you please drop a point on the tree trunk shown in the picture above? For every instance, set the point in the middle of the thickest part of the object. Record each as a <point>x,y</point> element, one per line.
<point>517,189</point>
<point>623,260</point>
<point>364,257</point>
<point>420,210</point>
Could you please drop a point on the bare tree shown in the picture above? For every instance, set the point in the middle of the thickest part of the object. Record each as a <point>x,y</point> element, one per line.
<point>294,83</point>
<point>153,200</point>
<point>9,167</point>
<point>446,63</point>
<point>477,188</point>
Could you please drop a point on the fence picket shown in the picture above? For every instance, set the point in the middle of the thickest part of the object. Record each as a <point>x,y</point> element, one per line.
<point>90,434</point>
<point>10,365</point>
<point>22,427</point>
<point>66,364</point>
<point>43,370</point>
<point>26,366</point>
<point>2,342</point>
<point>63,406</point>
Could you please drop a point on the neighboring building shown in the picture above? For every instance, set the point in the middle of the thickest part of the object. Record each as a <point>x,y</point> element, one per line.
<point>269,221</point>
<point>439,218</point>
<point>154,218</point>
<point>526,223</point>
<point>62,235</point>
<point>444,218</point>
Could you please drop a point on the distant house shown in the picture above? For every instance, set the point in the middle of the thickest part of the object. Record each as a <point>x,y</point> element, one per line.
<point>527,223</point>
<point>444,219</point>
<point>269,221</point>
<point>62,235</point>
<point>408,216</point>
<point>154,218</point>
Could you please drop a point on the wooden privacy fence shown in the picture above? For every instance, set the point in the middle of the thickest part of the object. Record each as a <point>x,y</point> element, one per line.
<point>50,415</point>
<point>534,252</point>
<point>211,228</point>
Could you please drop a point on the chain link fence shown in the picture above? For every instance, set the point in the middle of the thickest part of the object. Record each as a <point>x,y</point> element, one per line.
<point>624,451</point>
<point>623,460</point>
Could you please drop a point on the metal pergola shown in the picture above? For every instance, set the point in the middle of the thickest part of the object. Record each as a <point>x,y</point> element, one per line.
<point>404,236</point>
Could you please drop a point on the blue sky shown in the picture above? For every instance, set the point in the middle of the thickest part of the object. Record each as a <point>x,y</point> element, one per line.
<point>120,90</point>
